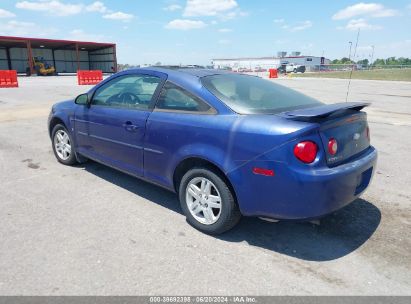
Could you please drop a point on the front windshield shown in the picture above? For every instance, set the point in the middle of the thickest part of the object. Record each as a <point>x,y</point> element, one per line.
<point>253,95</point>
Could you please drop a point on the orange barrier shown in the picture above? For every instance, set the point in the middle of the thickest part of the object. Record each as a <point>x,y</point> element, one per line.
<point>8,79</point>
<point>89,77</point>
<point>273,73</point>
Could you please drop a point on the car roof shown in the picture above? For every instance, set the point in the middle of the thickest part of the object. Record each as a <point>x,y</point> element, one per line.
<point>181,71</point>
<point>188,79</point>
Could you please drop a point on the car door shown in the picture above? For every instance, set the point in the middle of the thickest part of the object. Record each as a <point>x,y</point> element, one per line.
<point>111,130</point>
<point>176,123</point>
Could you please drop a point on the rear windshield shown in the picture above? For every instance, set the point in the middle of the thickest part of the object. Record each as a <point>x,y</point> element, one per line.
<point>253,95</point>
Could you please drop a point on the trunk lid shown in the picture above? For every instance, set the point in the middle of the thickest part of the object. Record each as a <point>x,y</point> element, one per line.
<point>343,122</point>
<point>350,132</point>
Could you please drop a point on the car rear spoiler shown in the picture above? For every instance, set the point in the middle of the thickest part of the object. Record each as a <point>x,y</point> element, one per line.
<point>324,111</point>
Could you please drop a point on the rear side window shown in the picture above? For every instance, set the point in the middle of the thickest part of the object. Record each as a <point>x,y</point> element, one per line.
<point>174,98</point>
<point>253,95</point>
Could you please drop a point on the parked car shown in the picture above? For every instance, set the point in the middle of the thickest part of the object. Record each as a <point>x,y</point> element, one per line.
<point>227,144</point>
<point>281,69</point>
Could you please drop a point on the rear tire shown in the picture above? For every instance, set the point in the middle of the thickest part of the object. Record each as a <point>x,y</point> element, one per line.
<point>208,202</point>
<point>62,144</point>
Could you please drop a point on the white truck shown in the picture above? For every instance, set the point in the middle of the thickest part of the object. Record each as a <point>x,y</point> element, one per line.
<point>294,68</point>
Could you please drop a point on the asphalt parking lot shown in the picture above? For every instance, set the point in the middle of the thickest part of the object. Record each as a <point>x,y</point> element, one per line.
<point>89,230</point>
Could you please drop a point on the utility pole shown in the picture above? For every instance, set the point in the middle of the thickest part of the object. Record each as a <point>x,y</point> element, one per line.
<point>349,55</point>
<point>372,55</point>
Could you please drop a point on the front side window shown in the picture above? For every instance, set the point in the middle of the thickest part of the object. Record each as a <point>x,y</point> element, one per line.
<point>253,95</point>
<point>174,98</point>
<point>129,91</point>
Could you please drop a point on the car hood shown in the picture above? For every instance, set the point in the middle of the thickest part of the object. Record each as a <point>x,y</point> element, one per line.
<point>66,104</point>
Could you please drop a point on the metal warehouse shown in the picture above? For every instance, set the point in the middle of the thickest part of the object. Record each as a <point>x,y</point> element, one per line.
<point>64,56</point>
<point>311,62</point>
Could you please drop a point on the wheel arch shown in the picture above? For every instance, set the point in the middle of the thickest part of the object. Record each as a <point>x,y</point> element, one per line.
<point>55,121</point>
<point>196,161</point>
<point>58,120</point>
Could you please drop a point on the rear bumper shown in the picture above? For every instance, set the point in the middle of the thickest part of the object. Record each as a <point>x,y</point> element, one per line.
<point>295,193</point>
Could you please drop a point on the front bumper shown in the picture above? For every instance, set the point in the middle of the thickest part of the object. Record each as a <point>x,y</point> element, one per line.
<point>296,193</point>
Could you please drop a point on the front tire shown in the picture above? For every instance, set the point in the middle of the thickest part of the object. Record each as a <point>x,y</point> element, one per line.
<point>208,202</point>
<point>63,145</point>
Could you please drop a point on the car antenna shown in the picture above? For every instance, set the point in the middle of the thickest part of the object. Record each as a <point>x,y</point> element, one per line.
<point>352,66</point>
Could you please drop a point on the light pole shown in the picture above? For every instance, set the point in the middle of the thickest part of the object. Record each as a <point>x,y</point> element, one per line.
<point>349,55</point>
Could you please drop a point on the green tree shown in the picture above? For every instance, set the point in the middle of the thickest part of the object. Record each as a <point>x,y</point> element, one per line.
<point>363,62</point>
<point>391,61</point>
<point>404,61</point>
<point>379,62</point>
<point>345,60</point>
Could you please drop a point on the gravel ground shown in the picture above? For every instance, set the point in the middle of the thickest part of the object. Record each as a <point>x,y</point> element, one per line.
<point>89,230</point>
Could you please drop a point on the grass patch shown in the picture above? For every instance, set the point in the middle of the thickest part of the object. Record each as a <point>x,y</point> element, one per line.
<point>388,74</point>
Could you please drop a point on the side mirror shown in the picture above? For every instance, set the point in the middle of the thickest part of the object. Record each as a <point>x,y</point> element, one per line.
<point>82,99</point>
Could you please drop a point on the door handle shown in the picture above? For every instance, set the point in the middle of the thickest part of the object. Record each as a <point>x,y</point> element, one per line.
<point>128,125</point>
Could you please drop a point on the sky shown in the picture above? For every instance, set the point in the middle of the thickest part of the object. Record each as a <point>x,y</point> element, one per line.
<point>195,31</point>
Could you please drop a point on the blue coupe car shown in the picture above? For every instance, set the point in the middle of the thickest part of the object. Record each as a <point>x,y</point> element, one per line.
<point>228,144</point>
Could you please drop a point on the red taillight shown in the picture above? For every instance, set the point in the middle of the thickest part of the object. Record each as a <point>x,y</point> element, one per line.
<point>368,133</point>
<point>306,151</point>
<point>332,146</point>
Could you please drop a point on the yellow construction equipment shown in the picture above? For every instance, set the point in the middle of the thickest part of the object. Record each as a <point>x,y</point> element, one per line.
<point>42,67</point>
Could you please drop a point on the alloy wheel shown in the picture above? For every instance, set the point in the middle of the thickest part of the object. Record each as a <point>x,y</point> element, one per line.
<point>62,144</point>
<point>203,200</point>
